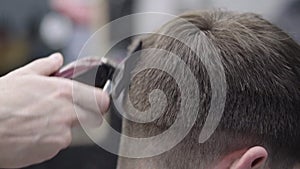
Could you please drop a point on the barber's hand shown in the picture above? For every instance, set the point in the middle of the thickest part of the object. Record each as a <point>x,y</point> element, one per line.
<point>37,112</point>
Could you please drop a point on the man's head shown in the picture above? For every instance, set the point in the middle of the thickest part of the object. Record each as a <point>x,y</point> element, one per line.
<point>260,123</point>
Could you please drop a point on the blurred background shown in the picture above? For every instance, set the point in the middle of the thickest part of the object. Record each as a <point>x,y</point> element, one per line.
<point>30,29</point>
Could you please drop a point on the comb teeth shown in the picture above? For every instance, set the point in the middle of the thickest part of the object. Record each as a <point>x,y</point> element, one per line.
<point>108,87</point>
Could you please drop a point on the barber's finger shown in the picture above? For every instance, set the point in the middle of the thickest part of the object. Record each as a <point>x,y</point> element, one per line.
<point>86,118</point>
<point>44,66</point>
<point>90,98</point>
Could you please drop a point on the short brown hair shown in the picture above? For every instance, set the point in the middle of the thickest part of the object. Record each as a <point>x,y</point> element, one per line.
<point>261,65</point>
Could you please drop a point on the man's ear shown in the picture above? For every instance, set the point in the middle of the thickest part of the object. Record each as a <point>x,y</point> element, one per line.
<point>253,158</point>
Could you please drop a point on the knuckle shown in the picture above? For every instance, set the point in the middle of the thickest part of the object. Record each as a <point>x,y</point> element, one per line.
<point>66,116</point>
<point>69,120</point>
<point>70,115</point>
<point>52,154</point>
<point>65,120</point>
<point>64,90</point>
<point>66,139</point>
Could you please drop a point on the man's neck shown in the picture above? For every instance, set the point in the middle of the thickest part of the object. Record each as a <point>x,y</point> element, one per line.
<point>126,163</point>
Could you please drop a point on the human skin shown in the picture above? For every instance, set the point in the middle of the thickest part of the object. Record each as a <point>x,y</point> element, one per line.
<point>38,111</point>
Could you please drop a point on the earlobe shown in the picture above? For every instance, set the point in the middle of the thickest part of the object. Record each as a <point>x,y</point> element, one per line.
<point>253,158</point>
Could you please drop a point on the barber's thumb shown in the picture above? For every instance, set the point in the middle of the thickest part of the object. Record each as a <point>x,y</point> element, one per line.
<point>45,66</point>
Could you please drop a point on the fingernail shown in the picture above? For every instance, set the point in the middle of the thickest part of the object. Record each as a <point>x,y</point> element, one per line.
<point>56,56</point>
